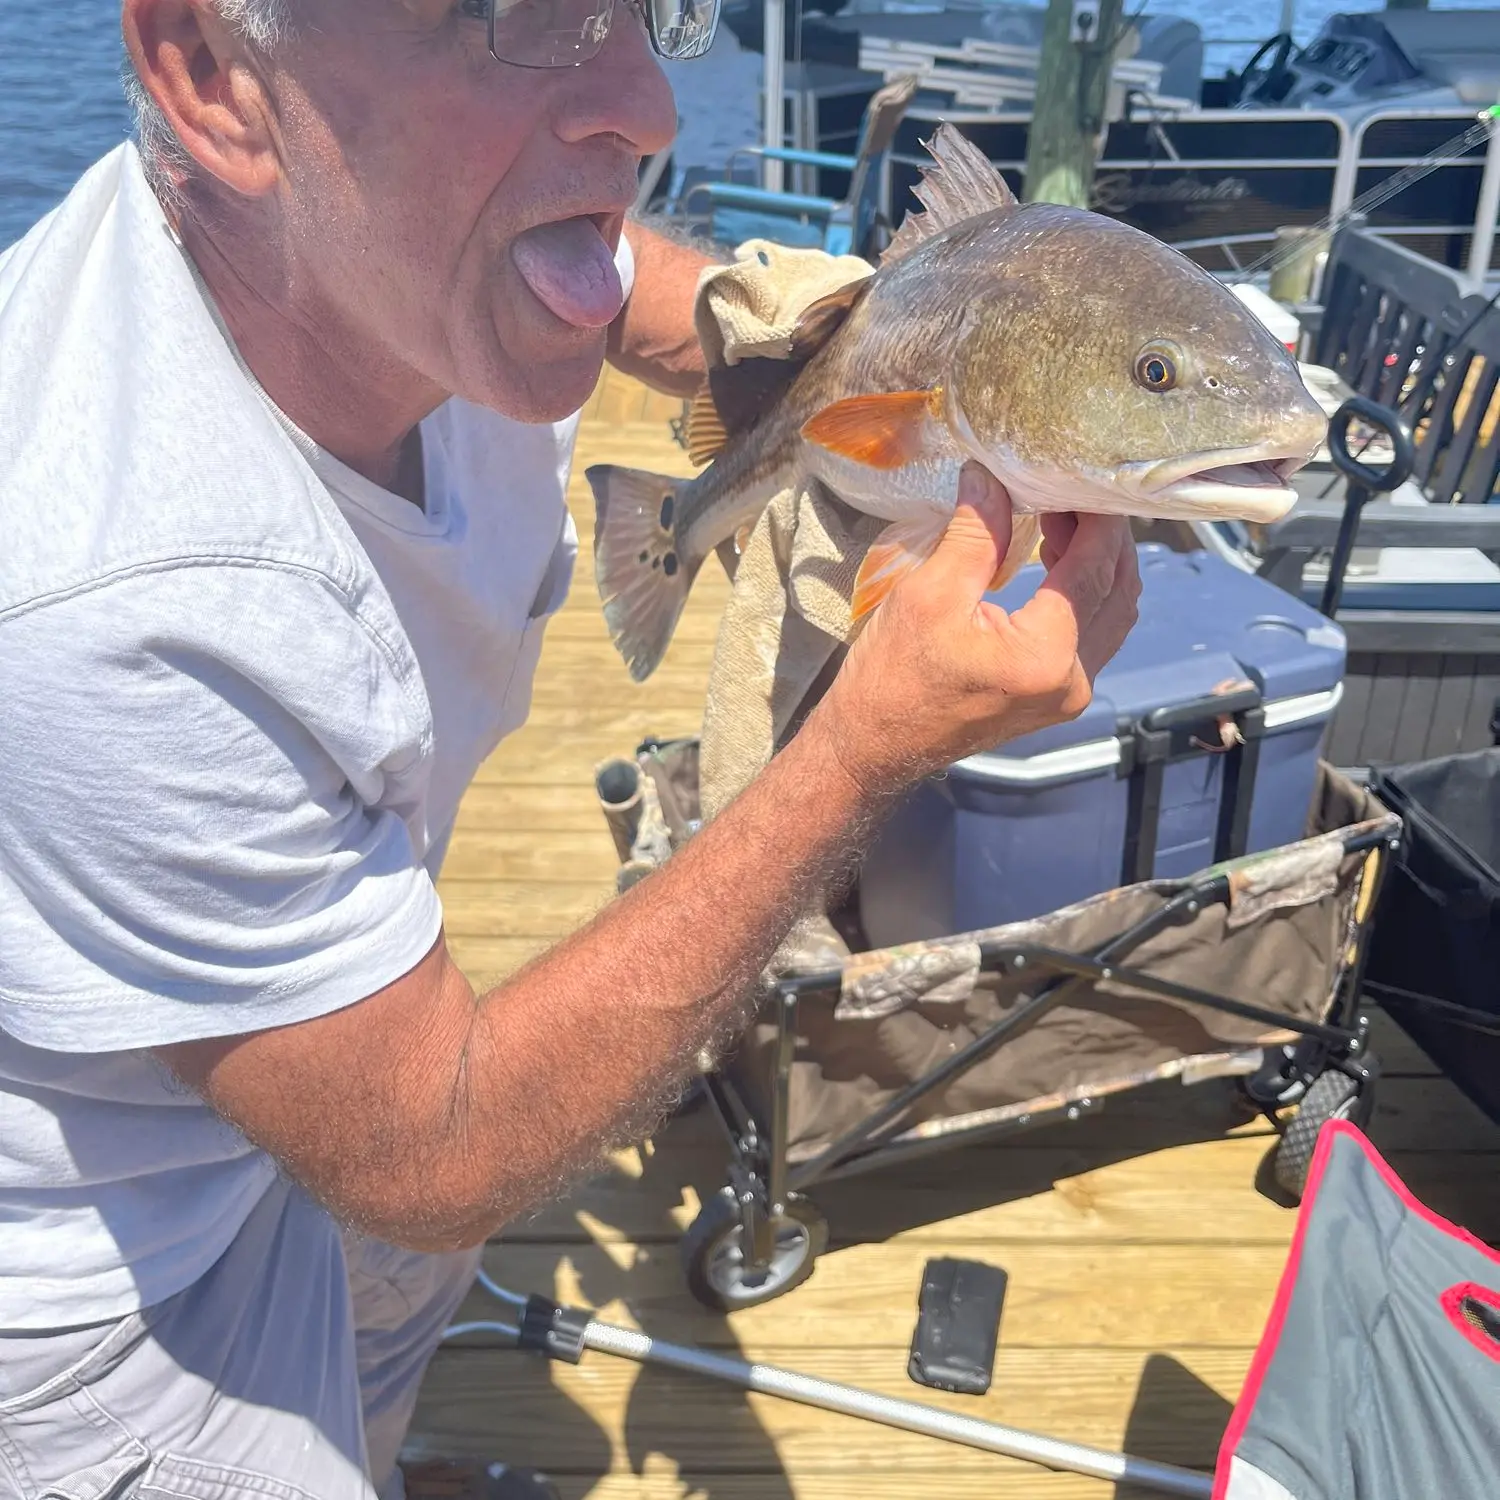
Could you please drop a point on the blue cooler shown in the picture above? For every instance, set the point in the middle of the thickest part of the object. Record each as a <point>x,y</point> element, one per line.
<point>1129,791</point>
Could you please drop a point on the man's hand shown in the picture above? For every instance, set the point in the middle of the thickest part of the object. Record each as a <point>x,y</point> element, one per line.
<point>429,1116</point>
<point>939,673</point>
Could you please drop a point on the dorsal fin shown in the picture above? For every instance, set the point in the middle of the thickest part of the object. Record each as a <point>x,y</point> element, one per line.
<point>960,184</point>
<point>703,433</point>
<point>738,395</point>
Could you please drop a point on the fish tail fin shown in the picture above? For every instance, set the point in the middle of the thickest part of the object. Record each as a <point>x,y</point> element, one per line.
<point>644,575</point>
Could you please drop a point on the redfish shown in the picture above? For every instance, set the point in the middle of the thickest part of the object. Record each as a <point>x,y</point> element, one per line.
<point>1087,365</point>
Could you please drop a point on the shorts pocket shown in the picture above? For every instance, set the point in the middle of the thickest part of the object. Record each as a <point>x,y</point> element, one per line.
<point>174,1477</point>
<point>56,1441</point>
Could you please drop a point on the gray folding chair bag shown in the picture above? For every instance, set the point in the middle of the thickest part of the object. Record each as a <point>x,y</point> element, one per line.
<point>1378,1377</point>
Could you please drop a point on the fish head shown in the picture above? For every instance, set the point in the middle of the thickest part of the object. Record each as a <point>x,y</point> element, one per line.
<point>1103,370</point>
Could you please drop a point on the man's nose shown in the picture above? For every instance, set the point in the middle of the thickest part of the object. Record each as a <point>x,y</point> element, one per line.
<point>622,91</point>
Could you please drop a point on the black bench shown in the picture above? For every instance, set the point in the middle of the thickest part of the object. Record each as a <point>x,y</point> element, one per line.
<point>1405,331</point>
<point>1424,658</point>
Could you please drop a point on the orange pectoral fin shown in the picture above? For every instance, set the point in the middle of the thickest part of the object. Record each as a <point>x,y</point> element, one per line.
<point>896,552</point>
<point>884,432</point>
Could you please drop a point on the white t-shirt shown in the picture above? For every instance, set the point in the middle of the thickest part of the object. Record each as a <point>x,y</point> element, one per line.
<point>242,691</point>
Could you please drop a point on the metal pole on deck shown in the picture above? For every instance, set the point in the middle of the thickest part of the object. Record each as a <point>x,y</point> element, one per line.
<point>565,1333</point>
<point>1483,247</point>
<point>1288,16</point>
<point>773,56</point>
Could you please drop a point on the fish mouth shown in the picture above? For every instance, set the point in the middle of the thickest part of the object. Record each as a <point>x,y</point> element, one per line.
<point>1248,484</point>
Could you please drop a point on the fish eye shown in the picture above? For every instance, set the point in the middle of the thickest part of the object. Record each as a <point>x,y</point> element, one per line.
<point>1156,369</point>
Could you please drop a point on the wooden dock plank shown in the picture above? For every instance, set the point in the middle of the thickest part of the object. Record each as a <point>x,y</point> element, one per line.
<point>1144,1243</point>
<point>1041,1187</point>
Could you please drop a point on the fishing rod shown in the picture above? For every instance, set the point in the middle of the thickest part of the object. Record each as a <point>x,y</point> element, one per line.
<point>1460,146</point>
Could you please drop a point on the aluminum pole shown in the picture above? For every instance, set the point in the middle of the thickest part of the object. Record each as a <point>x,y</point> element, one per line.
<point>773,61</point>
<point>911,1416</point>
<point>1489,210</point>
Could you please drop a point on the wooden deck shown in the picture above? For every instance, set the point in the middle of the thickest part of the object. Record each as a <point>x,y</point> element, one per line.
<point>1142,1254</point>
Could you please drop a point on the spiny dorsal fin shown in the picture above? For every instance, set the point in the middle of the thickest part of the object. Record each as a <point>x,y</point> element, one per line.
<point>960,184</point>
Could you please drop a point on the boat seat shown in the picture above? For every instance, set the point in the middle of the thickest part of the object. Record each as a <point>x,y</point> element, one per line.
<point>847,226</point>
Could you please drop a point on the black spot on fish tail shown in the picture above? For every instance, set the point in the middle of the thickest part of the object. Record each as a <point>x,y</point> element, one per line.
<point>642,574</point>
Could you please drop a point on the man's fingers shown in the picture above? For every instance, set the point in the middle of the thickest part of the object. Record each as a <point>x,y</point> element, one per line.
<point>1084,573</point>
<point>1106,634</point>
<point>977,537</point>
<point>1057,531</point>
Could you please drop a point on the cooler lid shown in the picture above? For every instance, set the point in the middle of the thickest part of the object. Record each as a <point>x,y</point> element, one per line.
<point>1203,622</point>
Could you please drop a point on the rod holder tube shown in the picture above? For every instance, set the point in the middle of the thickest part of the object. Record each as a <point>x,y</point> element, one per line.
<point>619,785</point>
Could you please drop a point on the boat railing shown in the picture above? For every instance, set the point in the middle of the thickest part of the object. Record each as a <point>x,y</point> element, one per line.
<point>1189,165</point>
<point>993,75</point>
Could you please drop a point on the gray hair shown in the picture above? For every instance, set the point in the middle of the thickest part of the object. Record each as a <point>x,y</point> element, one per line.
<point>262,23</point>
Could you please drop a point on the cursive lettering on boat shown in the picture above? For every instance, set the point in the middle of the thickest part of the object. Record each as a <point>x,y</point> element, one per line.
<point>1115,192</point>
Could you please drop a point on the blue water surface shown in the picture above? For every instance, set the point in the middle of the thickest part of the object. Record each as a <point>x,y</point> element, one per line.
<point>61,105</point>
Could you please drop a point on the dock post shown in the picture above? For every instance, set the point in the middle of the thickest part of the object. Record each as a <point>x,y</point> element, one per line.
<point>1079,40</point>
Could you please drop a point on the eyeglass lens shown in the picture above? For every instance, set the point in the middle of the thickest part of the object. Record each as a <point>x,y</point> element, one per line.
<point>563,33</point>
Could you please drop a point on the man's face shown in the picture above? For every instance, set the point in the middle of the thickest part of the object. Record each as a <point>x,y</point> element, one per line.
<point>451,207</point>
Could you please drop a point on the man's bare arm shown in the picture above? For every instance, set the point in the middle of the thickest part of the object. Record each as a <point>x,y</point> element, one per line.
<point>429,1116</point>
<point>654,338</point>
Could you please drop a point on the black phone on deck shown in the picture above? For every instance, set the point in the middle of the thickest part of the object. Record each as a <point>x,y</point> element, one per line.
<point>958,1326</point>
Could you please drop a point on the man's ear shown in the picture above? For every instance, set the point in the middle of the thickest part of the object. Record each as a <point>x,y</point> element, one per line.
<point>205,80</point>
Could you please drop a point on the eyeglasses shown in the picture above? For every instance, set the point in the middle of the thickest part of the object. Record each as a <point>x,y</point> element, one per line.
<point>564,33</point>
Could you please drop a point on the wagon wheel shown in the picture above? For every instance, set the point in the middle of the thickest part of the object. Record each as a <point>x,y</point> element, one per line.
<point>713,1256</point>
<point>1332,1096</point>
<point>1284,1076</point>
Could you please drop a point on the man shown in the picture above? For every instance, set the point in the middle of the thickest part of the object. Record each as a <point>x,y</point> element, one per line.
<point>284,433</point>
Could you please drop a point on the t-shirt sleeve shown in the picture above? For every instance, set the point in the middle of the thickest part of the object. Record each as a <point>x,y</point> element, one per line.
<point>207,777</point>
<point>625,265</point>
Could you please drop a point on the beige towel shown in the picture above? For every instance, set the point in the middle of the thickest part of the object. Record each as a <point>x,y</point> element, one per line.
<point>748,308</point>
<point>788,616</point>
<point>789,610</point>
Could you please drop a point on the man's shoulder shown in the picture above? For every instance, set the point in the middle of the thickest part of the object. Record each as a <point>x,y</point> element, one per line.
<point>130,439</point>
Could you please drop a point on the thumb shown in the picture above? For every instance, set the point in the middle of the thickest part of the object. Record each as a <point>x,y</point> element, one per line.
<point>978,536</point>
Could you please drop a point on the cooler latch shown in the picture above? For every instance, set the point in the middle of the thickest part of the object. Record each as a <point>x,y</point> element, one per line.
<point>1233,719</point>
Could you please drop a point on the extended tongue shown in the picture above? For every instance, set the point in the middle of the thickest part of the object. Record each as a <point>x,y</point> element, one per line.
<point>571,271</point>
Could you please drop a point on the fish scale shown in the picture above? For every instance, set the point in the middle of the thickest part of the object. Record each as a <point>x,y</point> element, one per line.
<point>1086,364</point>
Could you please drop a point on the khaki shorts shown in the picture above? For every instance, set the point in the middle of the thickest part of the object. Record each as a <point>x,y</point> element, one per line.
<point>288,1372</point>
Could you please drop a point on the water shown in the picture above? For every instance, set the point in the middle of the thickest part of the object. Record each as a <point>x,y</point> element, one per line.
<point>61,106</point>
